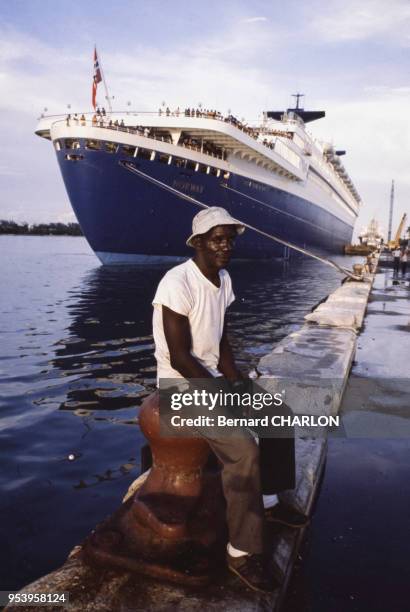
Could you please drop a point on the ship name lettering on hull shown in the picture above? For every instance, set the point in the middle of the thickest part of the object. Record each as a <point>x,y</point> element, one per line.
<point>187,186</point>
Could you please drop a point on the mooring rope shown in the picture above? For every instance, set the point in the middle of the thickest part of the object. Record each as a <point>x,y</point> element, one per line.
<point>129,166</point>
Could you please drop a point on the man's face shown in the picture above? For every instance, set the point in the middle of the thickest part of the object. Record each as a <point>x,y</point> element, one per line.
<point>217,245</point>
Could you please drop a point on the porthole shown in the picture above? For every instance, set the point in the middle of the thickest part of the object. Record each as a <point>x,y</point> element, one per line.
<point>144,153</point>
<point>111,147</point>
<point>74,157</point>
<point>93,145</point>
<point>128,150</point>
<point>72,144</point>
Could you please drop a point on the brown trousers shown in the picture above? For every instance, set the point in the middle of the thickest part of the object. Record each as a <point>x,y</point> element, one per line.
<point>248,471</point>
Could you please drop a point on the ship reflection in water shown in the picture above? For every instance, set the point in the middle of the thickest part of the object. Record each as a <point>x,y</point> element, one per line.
<point>110,354</point>
<point>110,347</point>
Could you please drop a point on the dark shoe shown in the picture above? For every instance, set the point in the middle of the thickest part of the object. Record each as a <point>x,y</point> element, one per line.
<point>286,515</point>
<point>250,569</point>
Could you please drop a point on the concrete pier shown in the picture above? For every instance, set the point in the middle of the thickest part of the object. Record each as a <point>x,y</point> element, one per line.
<point>312,365</point>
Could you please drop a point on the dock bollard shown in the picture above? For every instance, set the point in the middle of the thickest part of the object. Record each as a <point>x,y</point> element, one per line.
<point>358,269</point>
<point>173,527</point>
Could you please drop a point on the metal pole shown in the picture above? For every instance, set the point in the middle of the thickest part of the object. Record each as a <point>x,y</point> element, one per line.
<point>107,95</point>
<point>391,212</point>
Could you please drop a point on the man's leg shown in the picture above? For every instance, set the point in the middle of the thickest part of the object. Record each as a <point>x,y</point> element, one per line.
<point>278,473</point>
<point>241,484</point>
<point>242,489</point>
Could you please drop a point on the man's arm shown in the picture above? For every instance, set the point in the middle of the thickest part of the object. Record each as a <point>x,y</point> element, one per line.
<point>226,363</point>
<point>178,336</point>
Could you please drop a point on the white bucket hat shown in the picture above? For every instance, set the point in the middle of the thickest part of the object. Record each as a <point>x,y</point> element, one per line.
<point>211,217</point>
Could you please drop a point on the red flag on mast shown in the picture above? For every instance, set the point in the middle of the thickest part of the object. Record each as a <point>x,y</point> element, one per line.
<point>96,78</point>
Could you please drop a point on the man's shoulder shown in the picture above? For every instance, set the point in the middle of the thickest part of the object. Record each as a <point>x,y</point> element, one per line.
<point>174,291</point>
<point>225,277</point>
<point>177,274</point>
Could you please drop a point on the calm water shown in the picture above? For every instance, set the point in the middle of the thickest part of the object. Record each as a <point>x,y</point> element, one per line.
<point>76,360</point>
<point>356,554</point>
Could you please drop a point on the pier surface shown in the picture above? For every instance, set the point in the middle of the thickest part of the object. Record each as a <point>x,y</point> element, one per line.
<point>312,364</point>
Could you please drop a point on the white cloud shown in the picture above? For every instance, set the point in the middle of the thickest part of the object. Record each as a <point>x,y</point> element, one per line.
<point>363,19</point>
<point>376,133</point>
<point>7,170</point>
<point>254,19</point>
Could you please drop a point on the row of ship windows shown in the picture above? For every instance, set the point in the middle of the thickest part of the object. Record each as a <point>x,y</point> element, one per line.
<point>139,152</point>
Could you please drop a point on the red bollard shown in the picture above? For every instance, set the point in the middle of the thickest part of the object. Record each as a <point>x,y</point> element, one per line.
<point>173,527</point>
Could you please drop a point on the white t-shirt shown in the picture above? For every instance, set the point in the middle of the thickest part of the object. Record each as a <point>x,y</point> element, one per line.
<point>185,290</point>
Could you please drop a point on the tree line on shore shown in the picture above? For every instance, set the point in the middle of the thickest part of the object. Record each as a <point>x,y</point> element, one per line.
<point>40,229</point>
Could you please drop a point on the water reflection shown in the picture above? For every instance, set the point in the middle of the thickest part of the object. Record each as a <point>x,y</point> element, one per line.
<point>109,346</point>
<point>77,359</point>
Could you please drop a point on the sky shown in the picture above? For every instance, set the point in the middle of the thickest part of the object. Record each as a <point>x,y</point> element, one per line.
<point>350,58</point>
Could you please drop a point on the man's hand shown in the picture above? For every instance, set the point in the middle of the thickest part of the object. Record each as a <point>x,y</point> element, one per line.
<point>226,363</point>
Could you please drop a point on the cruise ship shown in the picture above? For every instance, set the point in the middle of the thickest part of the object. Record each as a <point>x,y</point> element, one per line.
<point>136,179</point>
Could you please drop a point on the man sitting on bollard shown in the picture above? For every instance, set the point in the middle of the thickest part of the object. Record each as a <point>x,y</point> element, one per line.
<point>191,342</point>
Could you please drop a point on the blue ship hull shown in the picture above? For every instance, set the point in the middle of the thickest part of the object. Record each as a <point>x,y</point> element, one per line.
<point>126,218</point>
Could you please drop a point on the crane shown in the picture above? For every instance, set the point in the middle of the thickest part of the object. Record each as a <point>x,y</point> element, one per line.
<point>393,244</point>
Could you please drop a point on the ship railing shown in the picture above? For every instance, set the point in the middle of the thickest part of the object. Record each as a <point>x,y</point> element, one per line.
<point>329,170</point>
<point>106,122</point>
<point>139,131</point>
<point>253,132</point>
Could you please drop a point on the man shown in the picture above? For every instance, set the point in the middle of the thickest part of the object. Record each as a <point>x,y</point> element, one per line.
<point>191,341</point>
<point>396,260</point>
<point>403,261</point>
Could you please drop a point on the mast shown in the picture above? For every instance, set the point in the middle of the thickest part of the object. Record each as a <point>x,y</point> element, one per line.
<point>298,109</point>
<point>298,96</point>
<point>107,95</point>
<point>391,212</point>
